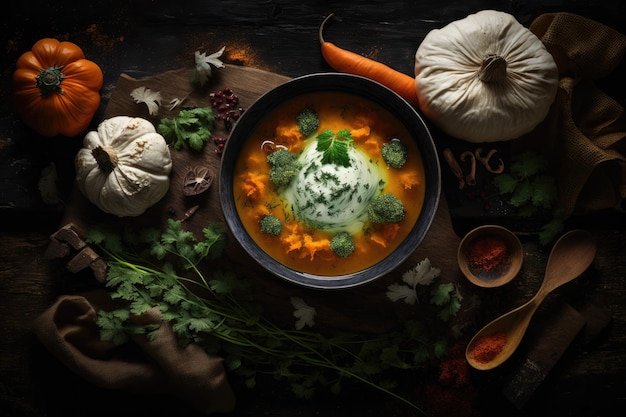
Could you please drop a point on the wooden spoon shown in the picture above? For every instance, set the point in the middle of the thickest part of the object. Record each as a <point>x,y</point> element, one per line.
<point>571,256</point>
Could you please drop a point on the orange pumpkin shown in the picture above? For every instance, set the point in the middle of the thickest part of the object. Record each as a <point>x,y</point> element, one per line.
<point>56,91</point>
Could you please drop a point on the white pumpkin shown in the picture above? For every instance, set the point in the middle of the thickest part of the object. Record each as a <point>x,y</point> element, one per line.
<point>123,167</point>
<point>485,78</point>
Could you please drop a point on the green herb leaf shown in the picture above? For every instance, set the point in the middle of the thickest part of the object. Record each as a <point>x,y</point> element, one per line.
<point>523,194</point>
<point>225,283</point>
<point>227,319</point>
<point>111,325</point>
<point>531,187</point>
<point>551,230</point>
<point>528,164</point>
<point>440,348</point>
<point>449,310</point>
<point>505,183</point>
<point>545,191</point>
<point>192,127</point>
<point>390,356</point>
<point>440,294</point>
<point>335,147</point>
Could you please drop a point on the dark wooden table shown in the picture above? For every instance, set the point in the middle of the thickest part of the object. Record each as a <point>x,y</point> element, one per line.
<point>146,37</point>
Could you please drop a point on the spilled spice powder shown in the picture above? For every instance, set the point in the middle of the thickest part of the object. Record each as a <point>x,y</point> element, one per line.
<point>454,371</point>
<point>488,347</point>
<point>451,394</point>
<point>489,254</point>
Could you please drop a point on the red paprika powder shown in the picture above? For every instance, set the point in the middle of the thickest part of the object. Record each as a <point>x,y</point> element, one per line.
<point>488,347</point>
<point>489,255</point>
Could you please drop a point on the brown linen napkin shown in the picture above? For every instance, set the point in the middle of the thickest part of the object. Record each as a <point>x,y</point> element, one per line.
<point>161,366</point>
<point>585,133</point>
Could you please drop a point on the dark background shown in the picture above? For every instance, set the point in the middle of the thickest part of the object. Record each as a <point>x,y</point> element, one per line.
<point>144,37</point>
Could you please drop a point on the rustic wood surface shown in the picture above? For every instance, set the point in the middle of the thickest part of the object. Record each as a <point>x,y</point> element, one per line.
<point>348,311</point>
<point>140,38</point>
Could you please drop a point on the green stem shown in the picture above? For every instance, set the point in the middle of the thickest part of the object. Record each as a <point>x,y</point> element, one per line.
<point>49,81</point>
<point>327,363</point>
<point>230,309</point>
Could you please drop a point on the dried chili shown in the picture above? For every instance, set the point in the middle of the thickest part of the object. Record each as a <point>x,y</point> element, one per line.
<point>489,255</point>
<point>488,347</point>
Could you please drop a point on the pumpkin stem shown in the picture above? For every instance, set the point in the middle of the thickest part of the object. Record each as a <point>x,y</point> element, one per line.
<point>493,69</point>
<point>49,81</point>
<point>106,157</point>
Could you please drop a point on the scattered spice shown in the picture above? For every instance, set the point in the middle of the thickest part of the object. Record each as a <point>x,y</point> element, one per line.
<point>242,54</point>
<point>452,394</point>
<point>454,371</point>
<point>482,194</point>
<point>488,347</point>
<point>488,255</point>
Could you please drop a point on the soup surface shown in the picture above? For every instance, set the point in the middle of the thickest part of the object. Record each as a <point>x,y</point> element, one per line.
<point>324,199</point>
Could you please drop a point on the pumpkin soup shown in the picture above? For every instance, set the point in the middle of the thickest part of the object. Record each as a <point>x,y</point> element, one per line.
<point>315,185</point>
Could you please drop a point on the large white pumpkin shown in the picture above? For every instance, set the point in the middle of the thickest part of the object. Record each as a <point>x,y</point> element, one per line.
<point>485,78</point>
<point>124,166</point>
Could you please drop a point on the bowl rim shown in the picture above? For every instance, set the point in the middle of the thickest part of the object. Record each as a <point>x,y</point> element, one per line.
<point>513,243</point>
<point>362,87</point>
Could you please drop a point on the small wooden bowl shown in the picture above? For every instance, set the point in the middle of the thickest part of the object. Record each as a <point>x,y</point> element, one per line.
<point>500,260</point>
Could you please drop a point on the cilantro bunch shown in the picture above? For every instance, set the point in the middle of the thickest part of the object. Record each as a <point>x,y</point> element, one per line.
<point>531,189</point>
<point>162,269</point>
<point>192,127</point>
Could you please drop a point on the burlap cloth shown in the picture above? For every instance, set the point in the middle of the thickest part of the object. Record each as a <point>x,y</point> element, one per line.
<point>161,366</point>
<point>584,135</point>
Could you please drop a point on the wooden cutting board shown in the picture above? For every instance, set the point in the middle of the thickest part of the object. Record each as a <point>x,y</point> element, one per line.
<point>365,308</point>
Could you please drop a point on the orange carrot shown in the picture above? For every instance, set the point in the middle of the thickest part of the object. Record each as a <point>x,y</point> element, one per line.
<point>351,63</point>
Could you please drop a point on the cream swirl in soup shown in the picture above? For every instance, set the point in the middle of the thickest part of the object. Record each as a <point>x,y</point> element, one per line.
<point>331,197</point>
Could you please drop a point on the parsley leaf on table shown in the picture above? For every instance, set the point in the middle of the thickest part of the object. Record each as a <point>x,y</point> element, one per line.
<point>192,127</point>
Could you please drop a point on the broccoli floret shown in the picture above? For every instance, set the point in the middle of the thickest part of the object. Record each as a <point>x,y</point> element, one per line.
<point>285,167</point>
<point>385,208</point>
<point>271,225</point>
<point>394,153</point>
<point>308,122</point>
<point>342,244</point>
<point>281,157</point>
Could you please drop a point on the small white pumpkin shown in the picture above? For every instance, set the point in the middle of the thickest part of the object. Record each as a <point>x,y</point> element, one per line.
<point>485,78</point>
<point>123,167</point>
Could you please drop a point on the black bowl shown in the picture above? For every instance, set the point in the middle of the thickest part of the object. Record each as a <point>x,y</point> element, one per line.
<point>333,82</point>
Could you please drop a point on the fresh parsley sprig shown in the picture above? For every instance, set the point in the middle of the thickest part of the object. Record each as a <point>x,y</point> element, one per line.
<point>192,127</point>
<point>162,269</point>
<point>335,146</point>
